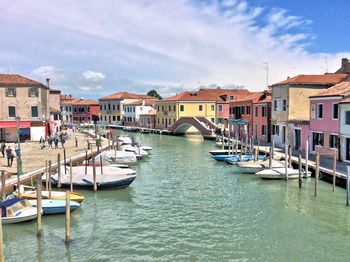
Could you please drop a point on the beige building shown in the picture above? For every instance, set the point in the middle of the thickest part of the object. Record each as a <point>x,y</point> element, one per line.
<point>27,99</point>
<point>291,106</point>
<point>112,107</point>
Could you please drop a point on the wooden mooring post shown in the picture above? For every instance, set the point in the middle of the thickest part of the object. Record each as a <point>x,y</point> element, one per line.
<point>94,174</point>
<point>46,176</point>
<point>67,217</point>
<point>3,185</point>
<point>59,170</point>
<point>49,178</point>
<point>86,161</point>
<point>300,171</point>
<point>286,161</point>
<point>101,163</point>
<point>38,204</point>
<point>1,243</point>
<point>71,175</point>
<point>270,158</point>
<point>290,156</point>
<point>334,170</point>
<point>255,154</point>
<point>65,161</point>
<point>317,172</point>
<point>273,149</point>
<point>347,185</point>
<point>307,157</point>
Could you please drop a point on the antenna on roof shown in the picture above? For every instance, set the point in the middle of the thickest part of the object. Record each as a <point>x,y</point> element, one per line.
<point>266,67</point>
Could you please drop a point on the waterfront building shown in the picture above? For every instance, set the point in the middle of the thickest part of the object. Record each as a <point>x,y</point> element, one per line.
<point>324,119</point>
<point>202,103</point>
<point>55,119</point>
<point>344,129</point>
<point>291,107</point>
<point>66,103</point>
<point>148,119</point>
<point>111,106</point>
<point>262,118</point>
<point>132,110</point>
<point>28,99</point>
<point>85,111</point>
<point>242,109</point>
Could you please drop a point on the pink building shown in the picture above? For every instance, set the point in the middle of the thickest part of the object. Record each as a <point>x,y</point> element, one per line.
<point>222,112</point>
<point>262,118</point>
<point>324,118</point>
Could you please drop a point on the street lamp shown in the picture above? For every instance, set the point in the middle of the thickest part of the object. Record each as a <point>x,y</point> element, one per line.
<point>19,160</point>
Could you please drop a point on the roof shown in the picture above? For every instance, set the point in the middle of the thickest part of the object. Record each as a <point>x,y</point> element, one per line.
<point>207,95</point>
<point>254,96</point>
<point>55,91</point>
<point>346,100</point>
<point>81,102</point>
<point>69,101</point>
<point>267,99</point>
<point>326,79</point>
<point>341,89</point>
<point>146,102</point>
<point>150,113</point>
<point>18,81</point>
<point>125,95</point>
<point>54,111</point>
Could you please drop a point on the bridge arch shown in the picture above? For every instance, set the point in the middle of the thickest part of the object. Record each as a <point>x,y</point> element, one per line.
<point>202,124</point>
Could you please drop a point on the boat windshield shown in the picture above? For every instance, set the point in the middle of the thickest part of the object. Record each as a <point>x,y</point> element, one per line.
<point>21,205</point>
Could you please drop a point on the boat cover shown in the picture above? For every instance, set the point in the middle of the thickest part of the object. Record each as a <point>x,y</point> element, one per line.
<point>7,203</point>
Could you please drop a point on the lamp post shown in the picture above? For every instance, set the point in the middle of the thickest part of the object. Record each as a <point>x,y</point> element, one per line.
<point>19,160</point>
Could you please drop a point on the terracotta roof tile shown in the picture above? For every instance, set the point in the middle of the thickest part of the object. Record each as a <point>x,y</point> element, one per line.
<point>254,96</point>
<point>346,100</point>
<point>150,113</point>
<point>326,79</point>
<point>125,95</point>
<point>17,80</point>
<point>85,102</point>
<point>207,95</point>
<point>341,89</point>
<point>69,101</point>
<point>147,102</point>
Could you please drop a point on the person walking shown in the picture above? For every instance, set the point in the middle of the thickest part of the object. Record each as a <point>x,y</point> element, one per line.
<point>76,142</point>
<point>63,140</point>
<point>55,141</point>
<point>10,156</point>
<point>42,143</point>
<point>3,148</point>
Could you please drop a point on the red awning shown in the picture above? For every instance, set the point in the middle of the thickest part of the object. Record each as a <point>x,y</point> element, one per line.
<point>13,124</point>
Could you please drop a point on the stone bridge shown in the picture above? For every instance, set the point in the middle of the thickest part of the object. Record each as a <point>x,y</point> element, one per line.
<point>202,124</point>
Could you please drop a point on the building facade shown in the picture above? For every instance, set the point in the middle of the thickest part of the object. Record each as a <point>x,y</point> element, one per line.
<point>66,105</point>
<point>148,119</point>
<point>27,99</point>
<point>291,106</point>
<point>344,128</point>
<point>133,110</point>
<point>262,119</point>
<point>112,106</point>
<point>85,111</point>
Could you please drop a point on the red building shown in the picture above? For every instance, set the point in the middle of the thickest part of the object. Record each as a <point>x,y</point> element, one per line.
<point>85,111</point>
<point>262,118</point>
<point>242,109</point>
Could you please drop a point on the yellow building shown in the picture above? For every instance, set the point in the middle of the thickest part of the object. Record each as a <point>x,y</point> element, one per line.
<point>200,103</point>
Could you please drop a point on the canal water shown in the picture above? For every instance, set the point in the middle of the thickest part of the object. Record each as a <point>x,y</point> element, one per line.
<point>184,206</point>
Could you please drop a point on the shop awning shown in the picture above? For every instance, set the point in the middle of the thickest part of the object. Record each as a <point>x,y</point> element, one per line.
<point>13,124</point>
<point>238,122</point>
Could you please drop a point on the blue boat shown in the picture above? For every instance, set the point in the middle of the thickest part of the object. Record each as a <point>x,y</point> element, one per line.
<point>55,206</point>
<point>234,159</point>
<point>221,157</point>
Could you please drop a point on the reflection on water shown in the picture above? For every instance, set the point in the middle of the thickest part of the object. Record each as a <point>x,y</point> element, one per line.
<point>184,206</point>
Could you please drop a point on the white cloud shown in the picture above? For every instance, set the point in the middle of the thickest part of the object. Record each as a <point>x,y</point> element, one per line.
<point>94,76</point>
<point>171,45</point>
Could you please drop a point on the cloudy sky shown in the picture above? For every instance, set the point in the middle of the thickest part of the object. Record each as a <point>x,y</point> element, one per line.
<point>92,48</point>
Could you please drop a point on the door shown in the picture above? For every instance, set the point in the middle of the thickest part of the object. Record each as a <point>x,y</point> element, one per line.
<point>347,149</point>
<point>166,122</point>
<point>255,131</point>
<point>297,139</point>
<point>283,134</point>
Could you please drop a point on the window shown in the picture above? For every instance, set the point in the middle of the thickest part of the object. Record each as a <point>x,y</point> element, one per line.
<point>275,105</point>
<point>273,130</point>
<point>113,106</point>
<point>174,108</point>
<point>158,120</point>
<point>35,111</point>
<point>174,120</point>
<point>163,108</point>
<point>200,107</point>
<point>263,111</point>
<point>242,110</point>
<point>113,118</point>
<point>158,109</point>
<point>263,130</point>
<point>333,141</point>
<point>335,111</point>
<point>277,130</point>
<point>33,92</point>
<point>220,108</point>
<point>12,111</point>
<point>162,121</point>
<point>347,118</point>
<point>256,110</point>
<point>317,140</point>
<point>118,107</point>
<point>212,107</point>
<point>169,109</point>
<point>248,110</point>
<point>104,107</point>
<point>88,109</point>
<point>182,108</point>
<point>109,106</point>
<point>319,111</point>
<point>231,98</point>
<point>11,91</point>
<point>284,104</point>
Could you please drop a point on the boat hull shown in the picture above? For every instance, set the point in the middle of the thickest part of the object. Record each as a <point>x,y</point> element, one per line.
<point>26,215</point>
<point>50,206</point>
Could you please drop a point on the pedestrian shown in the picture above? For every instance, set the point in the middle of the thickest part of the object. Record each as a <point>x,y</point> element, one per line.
<point>55,141</point>
<point>3,147</point>
<point>49,142</point>
<point>10,156</point>
<point>16,149</point>
<point>42,143</point>
<point>63,140</point>
<point>76,142</point>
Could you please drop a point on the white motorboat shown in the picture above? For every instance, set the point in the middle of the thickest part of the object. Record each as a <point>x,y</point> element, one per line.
<point>280,173</point>
<point>125,140</point>
<point>116,157</point>
<point>135,150</point>
<point>108,177</point>
<point>252,167</point>
<point>16,210</point>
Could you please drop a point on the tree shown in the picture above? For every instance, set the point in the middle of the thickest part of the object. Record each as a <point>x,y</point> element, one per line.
<point>154,93</point>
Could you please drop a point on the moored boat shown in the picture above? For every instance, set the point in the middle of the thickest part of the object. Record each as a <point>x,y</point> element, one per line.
<point>237,158</point>
<point>280,173</point>
<point>55,206</point>
<point>16,210</point>
<point>251,167</point>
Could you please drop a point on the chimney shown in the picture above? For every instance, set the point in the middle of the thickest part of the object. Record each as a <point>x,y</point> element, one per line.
<point>48,82</point>
<point>345,65</point>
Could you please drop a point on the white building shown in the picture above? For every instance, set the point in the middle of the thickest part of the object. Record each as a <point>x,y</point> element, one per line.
<point>133,110</point>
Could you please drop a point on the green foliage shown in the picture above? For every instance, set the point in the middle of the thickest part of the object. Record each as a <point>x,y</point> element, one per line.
<point>154,93</point>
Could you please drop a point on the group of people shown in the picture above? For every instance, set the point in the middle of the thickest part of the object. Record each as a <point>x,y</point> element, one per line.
<point>53,141</point>
<point>9,153</point>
